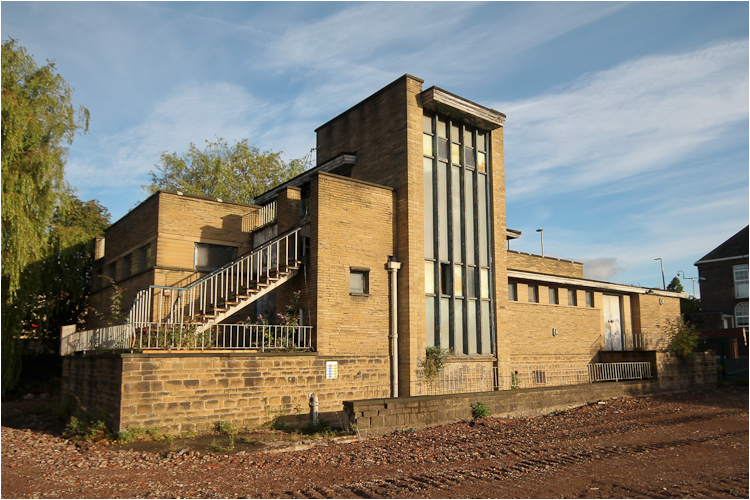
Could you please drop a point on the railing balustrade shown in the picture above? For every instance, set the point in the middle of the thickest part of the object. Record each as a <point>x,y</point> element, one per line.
<point>462,379</point>
<point>216,292</point>
<point>161,336</point>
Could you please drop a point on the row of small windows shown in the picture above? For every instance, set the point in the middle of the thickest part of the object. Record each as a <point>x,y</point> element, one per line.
<point>126,263</point>
<point>553,295</point>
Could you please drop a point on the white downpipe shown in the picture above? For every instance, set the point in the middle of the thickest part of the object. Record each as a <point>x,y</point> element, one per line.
<point>393,268</point>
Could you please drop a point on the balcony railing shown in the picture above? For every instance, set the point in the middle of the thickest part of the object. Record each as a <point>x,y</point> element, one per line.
<point>161,336</point>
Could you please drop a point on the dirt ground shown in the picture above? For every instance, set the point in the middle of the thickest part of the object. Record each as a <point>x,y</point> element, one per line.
<point>686,445</point>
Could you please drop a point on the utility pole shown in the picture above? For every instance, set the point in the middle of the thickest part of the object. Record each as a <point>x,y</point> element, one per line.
<point>541,233</point>
<point>663,281</point>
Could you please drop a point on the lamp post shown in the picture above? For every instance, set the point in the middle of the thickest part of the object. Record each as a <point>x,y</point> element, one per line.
<point>541,233</point>
<point>697,278</point>
<point>663,281</point>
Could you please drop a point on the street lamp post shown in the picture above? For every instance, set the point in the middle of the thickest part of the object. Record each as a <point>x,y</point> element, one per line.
<point>663,281</point>
<point>697,278</point>
<point>541,233</point>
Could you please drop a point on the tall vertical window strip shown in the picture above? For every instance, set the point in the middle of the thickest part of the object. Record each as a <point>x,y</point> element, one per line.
<point>458,252</point>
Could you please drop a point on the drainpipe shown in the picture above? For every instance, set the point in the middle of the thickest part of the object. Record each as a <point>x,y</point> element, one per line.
<point>393,268</point>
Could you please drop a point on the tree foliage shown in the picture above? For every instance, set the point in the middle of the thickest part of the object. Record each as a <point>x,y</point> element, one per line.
<point>61,298</point>
<point>675,285</point>
<point>237,172</point>
<point>39,121</point>
<point>683,338</point>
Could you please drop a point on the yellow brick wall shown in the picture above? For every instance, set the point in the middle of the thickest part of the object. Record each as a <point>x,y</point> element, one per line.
<point>650,317</point>
<point>519,261</point>
<point>354,226</point>
<point>385,131</point>
<point>193,392</point>
<point>185,221</point>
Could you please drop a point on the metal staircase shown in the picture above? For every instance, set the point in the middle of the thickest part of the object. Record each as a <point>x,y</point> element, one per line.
<point>223,292</point>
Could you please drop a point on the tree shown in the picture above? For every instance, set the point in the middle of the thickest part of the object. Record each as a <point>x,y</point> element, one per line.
<point>237,172</point>
<point>675,285</point>
<point>39,121</point>
<point>62,298</point>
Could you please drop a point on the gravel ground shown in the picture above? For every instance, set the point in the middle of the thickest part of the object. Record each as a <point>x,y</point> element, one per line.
<point>686,445</point>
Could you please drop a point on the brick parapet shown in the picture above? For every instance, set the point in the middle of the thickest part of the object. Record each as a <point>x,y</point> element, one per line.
<point>519,261</point>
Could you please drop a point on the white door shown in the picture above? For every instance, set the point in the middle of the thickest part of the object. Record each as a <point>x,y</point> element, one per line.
<point>612,323</point>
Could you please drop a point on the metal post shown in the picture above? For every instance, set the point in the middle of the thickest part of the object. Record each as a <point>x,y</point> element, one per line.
<point>541,233</point>
<point>663,281</point>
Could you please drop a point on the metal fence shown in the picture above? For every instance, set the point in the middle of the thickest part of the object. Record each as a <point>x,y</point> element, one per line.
<point>139,336</point>
<point>733,369</point>
<point>464,379</point>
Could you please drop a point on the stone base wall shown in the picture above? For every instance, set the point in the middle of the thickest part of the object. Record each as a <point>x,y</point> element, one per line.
<point>191,392</point>
<point>179,392</point>
<point>95,381</point>
<point>381,416</point>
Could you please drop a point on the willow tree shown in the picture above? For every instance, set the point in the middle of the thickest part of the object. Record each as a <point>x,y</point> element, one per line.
<point>39,121</point>
<point>236,172</point>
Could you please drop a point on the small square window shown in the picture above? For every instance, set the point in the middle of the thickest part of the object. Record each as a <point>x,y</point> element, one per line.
<point>358,281</point>
<point>533,293</point>
<point>512,292</point>
<point>553,296</point>
<point>572,298</point>
<point>589,299</point>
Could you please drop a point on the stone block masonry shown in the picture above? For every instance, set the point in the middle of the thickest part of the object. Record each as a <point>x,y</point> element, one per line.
<point>381,416</point>
<point>191,392</point>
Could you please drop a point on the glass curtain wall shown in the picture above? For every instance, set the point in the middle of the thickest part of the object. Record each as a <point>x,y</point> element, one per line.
<point>458,299</point>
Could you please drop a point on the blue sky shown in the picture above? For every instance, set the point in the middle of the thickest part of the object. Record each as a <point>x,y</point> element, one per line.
<point>627,129</point>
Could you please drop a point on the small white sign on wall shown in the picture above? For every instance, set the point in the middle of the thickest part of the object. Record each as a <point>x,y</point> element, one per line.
<point>332,369</point>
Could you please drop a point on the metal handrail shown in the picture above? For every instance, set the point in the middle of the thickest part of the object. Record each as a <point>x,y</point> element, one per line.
<point>207,293</point>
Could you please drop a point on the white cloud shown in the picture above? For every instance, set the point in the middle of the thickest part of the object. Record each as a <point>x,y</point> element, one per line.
<point>191,114</point>
<point>601,268</point>
<point>638,117</point>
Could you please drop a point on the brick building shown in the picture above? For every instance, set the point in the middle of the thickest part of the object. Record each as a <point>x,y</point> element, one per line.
<point>724,284</point>
<point>398,243</point>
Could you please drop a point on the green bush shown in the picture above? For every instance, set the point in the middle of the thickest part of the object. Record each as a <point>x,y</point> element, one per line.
<point>434,362</point>
<point>480,410</point>
<point>683,338</point>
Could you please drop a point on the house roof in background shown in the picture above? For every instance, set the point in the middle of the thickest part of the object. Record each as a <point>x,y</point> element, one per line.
<point>736,246</point>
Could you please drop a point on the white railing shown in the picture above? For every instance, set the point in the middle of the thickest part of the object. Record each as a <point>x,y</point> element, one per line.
<point>205,298</point>
<point>604,372</point>
<point>527,376</point>
<point>464,379</point>
<point>267,214</point>
<point>145,336</point>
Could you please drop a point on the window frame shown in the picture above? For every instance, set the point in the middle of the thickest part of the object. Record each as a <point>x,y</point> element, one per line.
<point>740,284</point>
<point>572,297</point>
<point>209,246</point>
<point>553,294</point>
<point>737,315</point>
<point>590,299</point>
<point>512,291</point>
<point>364,274</point>
<point>533,293</point>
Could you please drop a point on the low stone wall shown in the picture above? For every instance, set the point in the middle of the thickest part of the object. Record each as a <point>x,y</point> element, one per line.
<point>179,392</point>
<point>381,416</point>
